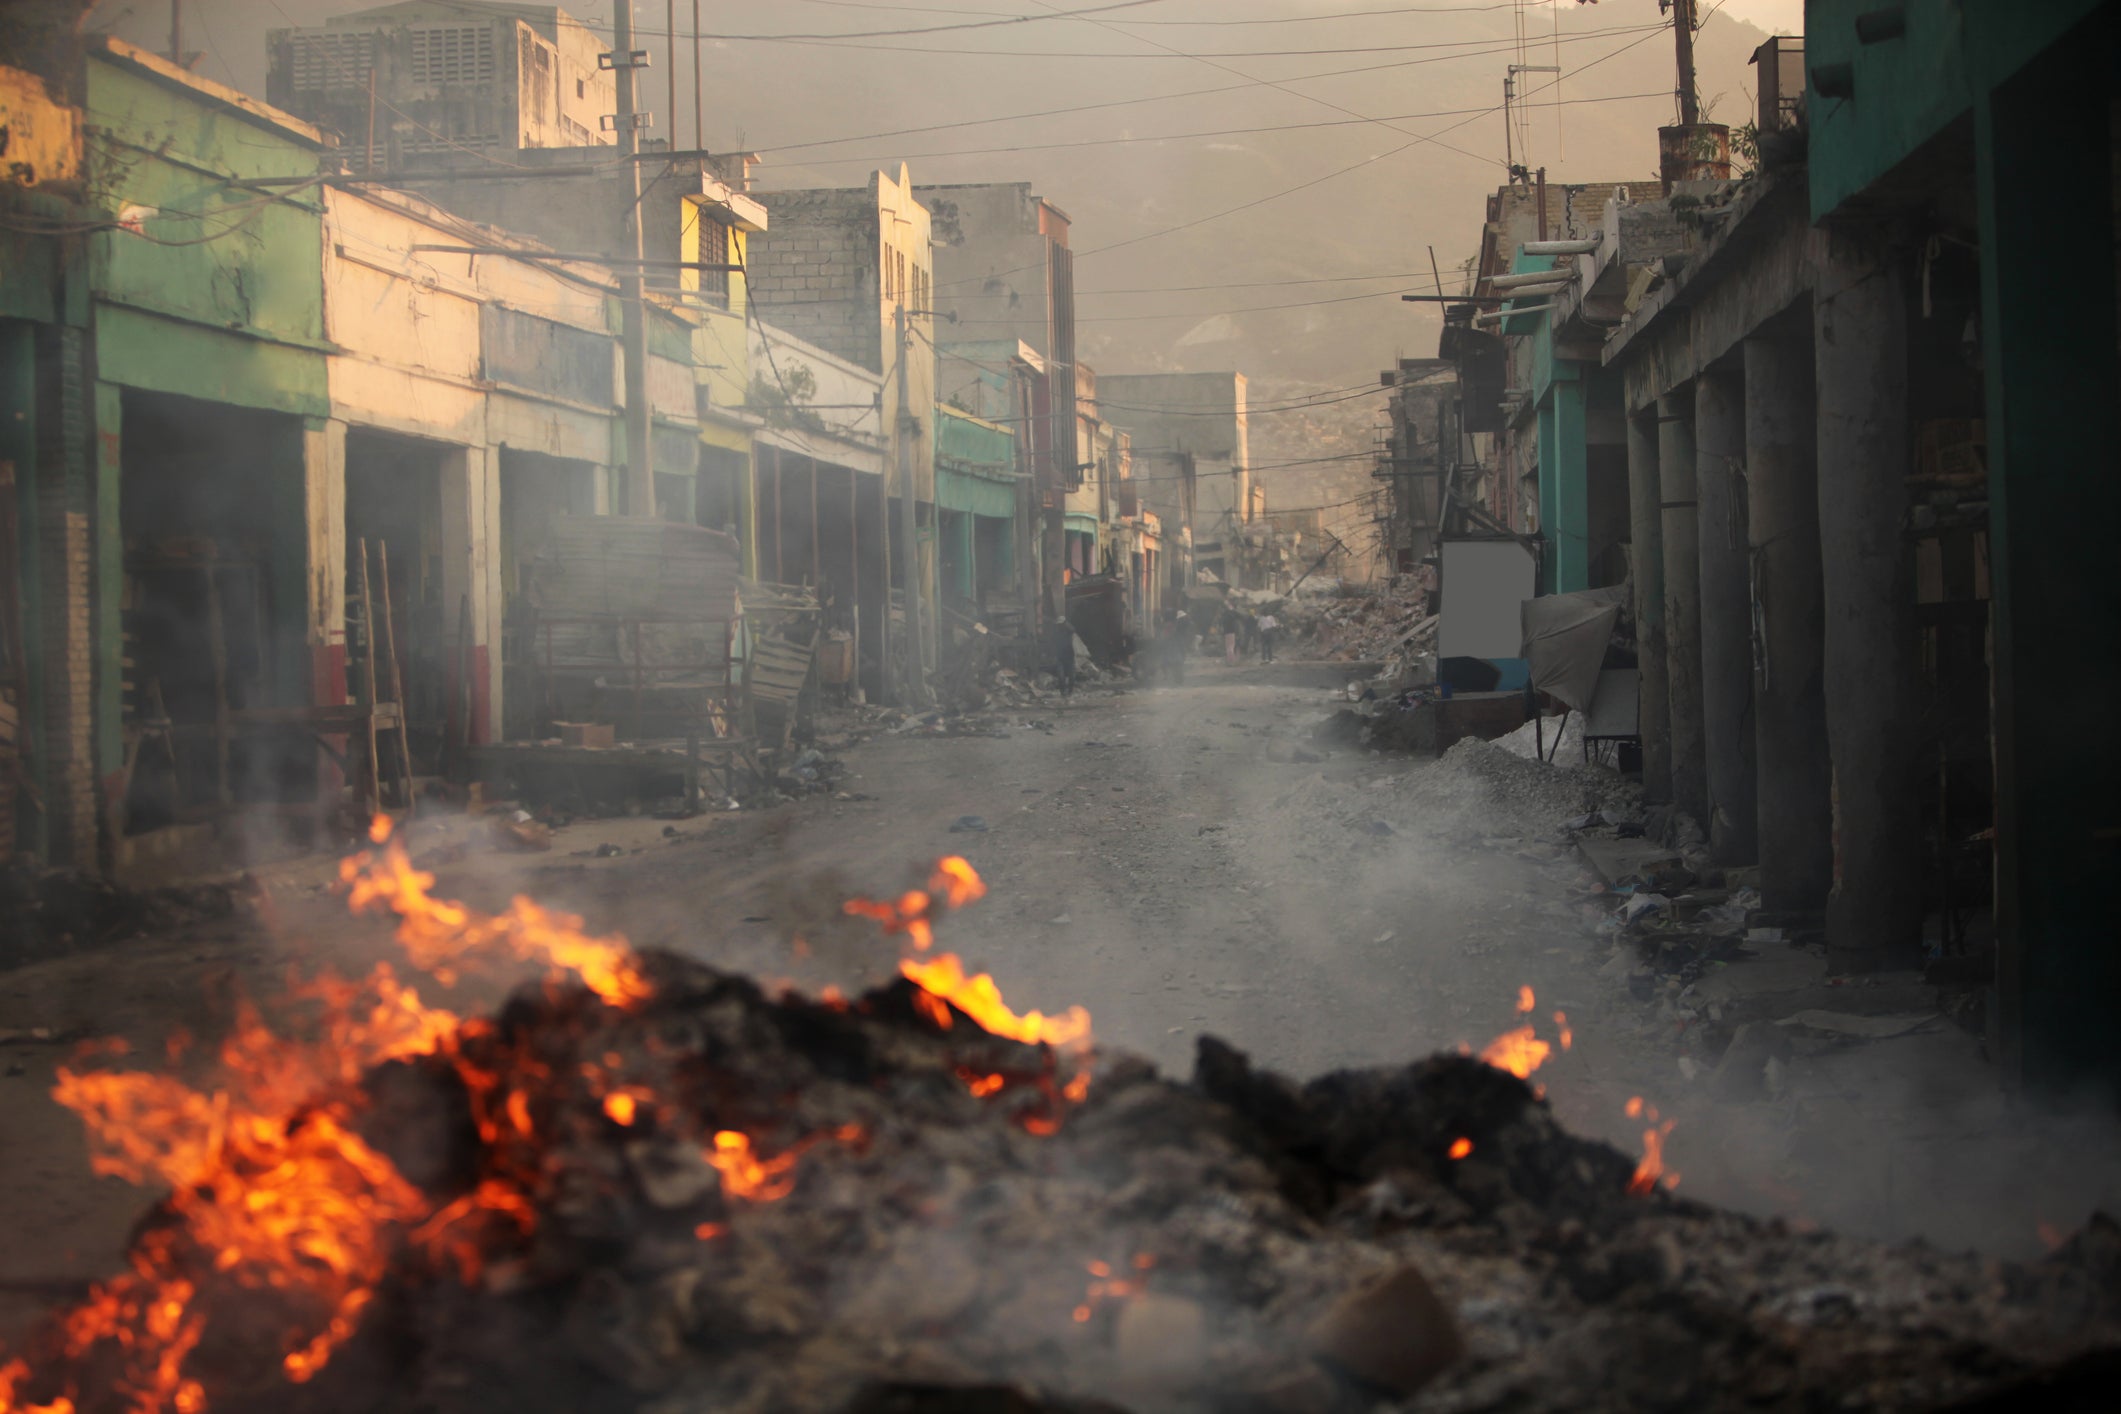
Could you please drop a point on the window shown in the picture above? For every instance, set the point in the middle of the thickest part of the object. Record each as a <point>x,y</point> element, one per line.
<point>581,89</point>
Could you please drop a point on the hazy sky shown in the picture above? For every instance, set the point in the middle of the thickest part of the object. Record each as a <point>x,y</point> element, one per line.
<point>1253,182</point>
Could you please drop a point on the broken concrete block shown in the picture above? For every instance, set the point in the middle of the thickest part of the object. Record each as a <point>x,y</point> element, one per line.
<point>1396,1334</point>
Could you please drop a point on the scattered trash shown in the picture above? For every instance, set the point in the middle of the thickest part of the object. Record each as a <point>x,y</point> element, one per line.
<point>521,831</point>
<point>608,850</point>
<point>968,825</point>
<point>1641,904</point>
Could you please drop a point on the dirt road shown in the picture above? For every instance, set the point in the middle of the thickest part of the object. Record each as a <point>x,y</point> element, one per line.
<point>1179,861</point>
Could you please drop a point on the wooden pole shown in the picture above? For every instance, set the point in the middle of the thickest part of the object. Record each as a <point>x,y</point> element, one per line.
<point>368,683</point>
<point>699,142</point>
<point>397,680</point>
<point>463,692</point>
<point>817,570</point>
<point>217,649</point>
<point>368,162</point>
<point>780,570</point>
<point>1683,41</point>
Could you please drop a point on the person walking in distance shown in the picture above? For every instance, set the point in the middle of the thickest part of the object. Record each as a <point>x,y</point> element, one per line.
<point>1062,638</point>
<point>1269,625</point>
<point>1231,623</point>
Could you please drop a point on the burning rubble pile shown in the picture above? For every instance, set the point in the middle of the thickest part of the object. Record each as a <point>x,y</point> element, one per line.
<point>646,1184</point>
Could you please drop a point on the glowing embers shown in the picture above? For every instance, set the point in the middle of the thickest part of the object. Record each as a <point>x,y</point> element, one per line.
<point>1650,1171</point>
<point>1106,1286</point>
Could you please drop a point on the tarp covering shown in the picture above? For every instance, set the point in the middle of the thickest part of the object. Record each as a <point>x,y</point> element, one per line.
<point>1565,638</point>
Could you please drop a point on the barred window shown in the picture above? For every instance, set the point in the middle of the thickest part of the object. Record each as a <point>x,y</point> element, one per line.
<point>714,248</point>
<point>328,60</point>
<point>460,54</point>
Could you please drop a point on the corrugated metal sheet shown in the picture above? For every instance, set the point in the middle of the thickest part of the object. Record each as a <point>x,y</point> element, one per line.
<point>613,567</point>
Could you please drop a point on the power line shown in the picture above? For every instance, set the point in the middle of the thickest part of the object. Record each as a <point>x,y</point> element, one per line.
<point>1208,313</point>
<point>1197,24</point>
<point>1312,182</point>
<point>1089,107</point>
<point>1482,45</point>
<point>1212,132</point>
<point>992,23</point>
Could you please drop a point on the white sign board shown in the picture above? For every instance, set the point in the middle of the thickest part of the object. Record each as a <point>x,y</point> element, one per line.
<point>1485,584</point>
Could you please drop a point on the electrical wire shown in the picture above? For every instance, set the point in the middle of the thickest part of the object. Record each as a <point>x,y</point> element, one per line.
<point>1483,46</point>
<point>1212,132</point>
<point>1312,182</point>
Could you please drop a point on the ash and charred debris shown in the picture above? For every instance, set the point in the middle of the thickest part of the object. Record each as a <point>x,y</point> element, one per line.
<point>48,912</point>
<point>919,1219</point>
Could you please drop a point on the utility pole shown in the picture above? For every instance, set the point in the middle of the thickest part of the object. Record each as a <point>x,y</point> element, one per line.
<point>633,338</point>
<point>176,32</point>
<point>904,427</point>
<point>1683,40</point>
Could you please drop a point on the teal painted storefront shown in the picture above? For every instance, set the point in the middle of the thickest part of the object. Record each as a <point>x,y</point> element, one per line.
<point>975,482</point>
<point>2019,97</point>
<point>1558,394</point>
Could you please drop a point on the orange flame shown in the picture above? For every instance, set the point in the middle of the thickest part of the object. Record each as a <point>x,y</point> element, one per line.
<point>267,1181</point>
<point>762,1180</point>
<point>1561,1023</point>
<point>979,998</point>
<point>942,979</point>
<point>440,934</point>
<point>913,912</point>
<point>1460,1147</point>
<point>1525,1001</point>
<point>1649,1171</point>
<point>1520,1052</point>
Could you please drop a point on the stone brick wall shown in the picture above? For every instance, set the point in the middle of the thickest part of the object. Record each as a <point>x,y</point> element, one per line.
<point>67,605</point>
<point>814,273</point>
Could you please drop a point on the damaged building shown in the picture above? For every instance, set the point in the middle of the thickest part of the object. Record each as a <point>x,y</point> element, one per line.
<point>1821,421</point>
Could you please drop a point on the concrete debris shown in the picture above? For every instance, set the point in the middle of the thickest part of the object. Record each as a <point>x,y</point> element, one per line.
<point>1868,1028</point>
<point>1391,623</point>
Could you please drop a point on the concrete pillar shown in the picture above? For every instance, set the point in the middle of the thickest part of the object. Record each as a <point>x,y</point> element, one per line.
<point>1789,708</point>
<point>1726,616</point>
<point>1564,483</point>
<point>1682,600</point>
<point>1874,913</point>
<point>324,515</point>
<point>2049,297</point>
<point>1646,575</point>
<point>471,566</point>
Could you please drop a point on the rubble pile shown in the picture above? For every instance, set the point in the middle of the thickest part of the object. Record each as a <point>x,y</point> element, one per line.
<point>1509,793</point>
<point>1388,623</point>
<point>703,1197</point>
